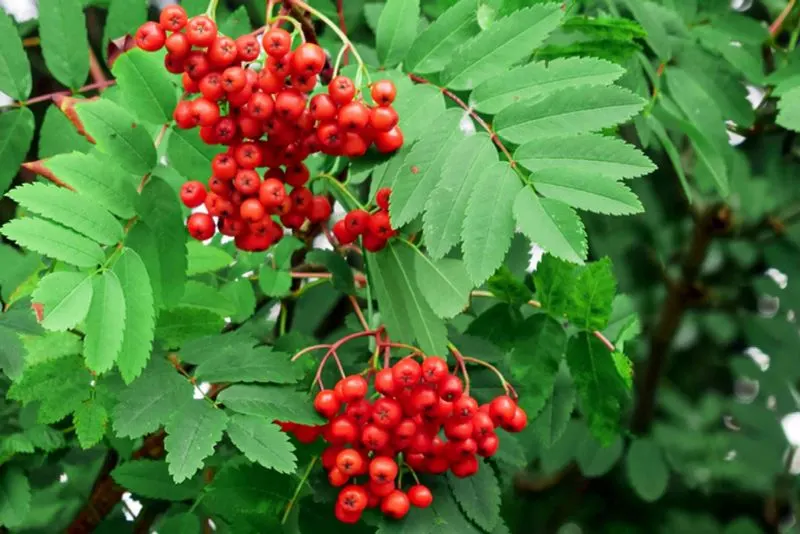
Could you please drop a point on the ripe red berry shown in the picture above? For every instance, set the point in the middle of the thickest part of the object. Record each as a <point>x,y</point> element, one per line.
<point>396,504</point>
<point>320,209</point>
<point>450,388</point>
<point>272,193</point>
<point>380,489</point>
<point>330,135</point>
<point>269,82</point>
<point>189,85</point>
<point>346,517</point>
<point>150,37</point>
<point>193,194</point>
<point>226,131</point>
<point>354,387</point>
<point>173,18</point>
<point>353,116</point>
<point>200,226</point>
<point>352,498</point>
<point>248,156</point>
<point>350,462</point>
<point>304,83</point>
<point>374,438</point>
<point>174,65</point>
<point>289,104</point>
<point>502,410</point>
<point>465,407</point>
<point>457,429</point>
<point>380,225</point>
<point>247,182</point>
<point>407,372</point>
<point>183,115</point>
<point>230,226</point>
<point>337,478</point>
<point>342,430</point>
<point>373,243</point>
<point>277,42</point>
<point>178,45</point>
<point>420,496</point>
<point>252,210</point>
<point>197,65</point>
<point>329,456</point>
<point>357,221</point>
<point>205,112</point>
<point>465,468</point>
<point>354,145</point>
<point>387,413</point>
<point>488,445</point>
<point>322,107</point>
<point>518,422</point>
<point>222,51</point>
<point>301,204</point>
<point>224,166</point>
<point>389,141</point>
<point>240,98</point>
<point>201,30</point>
<point>482,425</point>
<point>345,237</point>
<point>260,106</point>
<point>234,79</point>
<point>308,58</point>
<point>281,66</point>
<point>326,403</point>
<point>341,90</point>
<point>248,48</point>
<point>383,469</point>
<point>384,381</point>
<point>434,368</point>
<point>383,92</point>
<point>383,118</point>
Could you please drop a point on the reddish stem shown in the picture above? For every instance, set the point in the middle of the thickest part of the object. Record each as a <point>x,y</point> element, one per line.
<point>460,359</point>
<point>775,27</point>
<point>359,313</point>
<point>340,13</point>
<point>604,339</point>
<point>96,70</point>
<point>463,105</point>
<point>506,385</point>
<point>51,96</point>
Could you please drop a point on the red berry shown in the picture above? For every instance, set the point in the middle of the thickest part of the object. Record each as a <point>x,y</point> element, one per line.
<point>234,79</point>
<point>269,82</point>
<point>178,45</point>
<point>205,112</point>
<point>350,462</point>
<point>373,243</point>
<point>345,237</point>
<point>407,372</point>
<point>252,210</point>
<point>382,200</point>
<point>301,202</point>
<point>230,226</point>
<point>434,368</point>
<point>289,104</point>
<point>450,388</point>
<point>150,37</point>
<point>354,145</point>
<point>320,209</point>
<point>224,166</point>
<point>482,425</point>
<point>465,407</point>
<point>281,66</point>
<point>337,478</point>
<point>353,116</point>
<point>226,131</point>
<point>389,141</point>
<point>330,135</point>
<point>518,422</point>
<point>383,92</point>
<point>352,498</point>
<point>457,429</point>
<point>240,98</point>
<point>357,221</point>
<point>341,90</point>
<point>375,438</point>
<point>189,85</point>
<point>502,410</point>
<point>197,65</point>
<point>488,445</point>
<point>407,429</point>
<point>384,379</point>
<point>354,387</point>
<point>360,411</point>
<point>248,156</point>
<point>387,413</point>
<point>272,193</point>
<point>465,468</point>
<point>193,194</point>
<point>342,430</point>
<point>260,106</point>
<point>277,42</point>
<point>297,175</point>
<point>322,107</point>
<point>329,456</point>
<point>247,182</point>
<point>383,118</point>
<point>173,18</point>
<point>396,504</point>
<point>222,51</point>
<point>201,30</point>
<point>211,86</point>
<point>249,127</point>
<point>424,399</point>
<point>380,225</point>
<point>200,226</point>
<point>248,48</point>
<point>346,517</point>
<point>183,115</point>
<point>383,469</point>
<point>308,58</point>
<point>437,465</point>
<point>380,489</point>
<point>420,496</point>
<point>326,403</point>
<point>304,83</point>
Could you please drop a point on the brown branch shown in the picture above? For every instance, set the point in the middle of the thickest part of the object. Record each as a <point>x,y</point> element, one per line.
<point>52,96</point>
<point>96,70</point>
<point>485,125</point>
<point>681,296</point>
<point>342,25</point>
<point>305,23</point>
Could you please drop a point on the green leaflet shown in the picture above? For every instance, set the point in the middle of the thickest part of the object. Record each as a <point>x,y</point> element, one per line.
<point>337,266</point>
<point>552,225</point>
<point>65,46</point>
<point>657,37</point>
<point>595,458</point>
<point>150,400</point>
<point>124,16</point>
<point>506,42</point>
<point>237,23</point>
<point>200,295</point>
<point>262,441</point>
<point>180,324</point>
<point>12,353</point>
<point>242,297</point>
<point>59,386</point>
<point>65,298</point>
<point>569,111</point>
<point>404,309</point>
<point>205,258</point>
<point>192,432</point>
<point>150,478</point>
<point>789,110</point>
<point>105,323</point>
<point>88,174</point>
<point>254,365</point>
<point>160,210</point>
<point>142,240</point>
<point>58,135</point>
<point>599,386</point>
<point>15,69</point>
<point>478,496</point>
<point>595,154</point>
<point>422,168</point>
<point>188,154</point>
<point>593,296</point>
<point>54,241</point>
<point>274,283</point>
<point>416,107</point>
<point>584,191</point>
<point>697,104</point>
<point>15,496</point>
<point>444,283</point>
<point>536,357</point>
<point>552,421</point>
<point>646,469</point>
<point>16,134</point>
<point>279,403</point>
<point>118,135</point>
<point>447,205</point>
<point>397,29</point>
<point>488,225</point>
<point>139,326</point>
<point>540,78</point>
<point>147,88</point>
<point>434,47</point>
<point>69,209</point>
<point>90,423</point>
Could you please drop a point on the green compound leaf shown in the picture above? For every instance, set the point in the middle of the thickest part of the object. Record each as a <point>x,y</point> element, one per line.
<point>262,442</point>
<point>593,296</point>
<point>445,284</point>
<point>59,386</point>
<point>253,365</point>
<point>397,29</point>
<point>119,135</point>
<point>65,45</point>
<point>65,298</point>
<point>550,424</point>
<point>146,87</point>
<point>415,108</point>
<point>489,225</point>
<point>506,42</point>
<point>15,69</point>
<point>205,258</point>
<point>192,433</point>
<point>139,327</point>
<point>69,209</point>
<point>105,323</point>
<point>434,47</point>
<point>54,241</point>
<point>180,324</point>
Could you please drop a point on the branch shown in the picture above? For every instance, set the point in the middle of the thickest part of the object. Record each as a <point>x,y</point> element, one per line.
<point>342,25</point>
<point>682,295</point>
<point>775,27</point>
<point>485,125</point>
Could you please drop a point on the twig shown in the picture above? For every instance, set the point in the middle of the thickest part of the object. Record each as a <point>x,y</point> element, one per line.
<point>775,27</point>
<point>51,96</point>
<point>485,125</point>
<point>343,26</point>
<point>359,313</point>
<point>96,70</point>
<point>460,359</point>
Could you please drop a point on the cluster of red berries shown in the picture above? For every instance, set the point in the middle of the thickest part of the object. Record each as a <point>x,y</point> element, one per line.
<point>374,228</point>
<point>422,413</point>
<point>267,120</point>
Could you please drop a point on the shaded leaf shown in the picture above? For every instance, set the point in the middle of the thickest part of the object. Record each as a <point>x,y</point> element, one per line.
<point>478,496</point>
<point>90,423</point>
<point>254,365</point>
<point>272,402</point>
<point>262,442</point>
<point>188,154</point>
<point>150,478</point>
<point>646,469</point>
<point>15,69</point>
<point>538,353</point>
<point>192,433</point>
<point>65,45</point>
<point>15,497</point>
<point>593,296</point>
<point>60,386</point>
<point>16,134</point>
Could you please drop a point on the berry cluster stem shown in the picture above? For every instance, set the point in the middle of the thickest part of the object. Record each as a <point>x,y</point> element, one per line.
<point>460,359</point>
<point>506,385</point>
